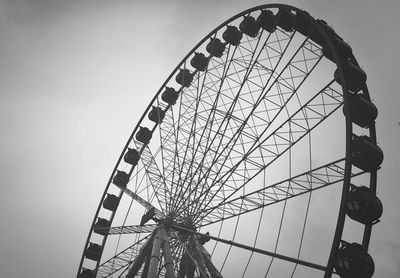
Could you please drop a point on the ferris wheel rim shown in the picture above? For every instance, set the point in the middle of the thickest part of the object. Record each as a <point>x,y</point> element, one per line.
<point>349,131</point>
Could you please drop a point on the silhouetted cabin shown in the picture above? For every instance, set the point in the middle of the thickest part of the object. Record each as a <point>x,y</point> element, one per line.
<point>93,252</point>
<point>249,26</point>
<point>352,261</point>
<point>267,20</point>
<point>156,114</point>
<point>102,226</point>
<point>86,273</point>
<point>342,48</point>
<point>215,47</point>
<point>111,202</point>
<point>362,111</point>
<point>285,19</point>
<point>204,238</point>
<point>184,77</point>
<point>147,216</point>
<point>169,95</point>
<point>303,23</point>
<point>365,155</point>
<point>363,206</point>
<point>199,61</point>
<point>121,179</point>
<point>317,37</point>
<point>143,135</point>
<point>232,35</point>
<point>354,77</point>
<point>132,157</point>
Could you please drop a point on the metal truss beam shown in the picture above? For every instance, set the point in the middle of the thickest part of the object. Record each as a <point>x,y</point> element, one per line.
<point>306,182</point>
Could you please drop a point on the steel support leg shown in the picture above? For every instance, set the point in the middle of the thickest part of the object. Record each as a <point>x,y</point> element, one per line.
<point>155,254</point>
<point>207,260</point>
<point>169,264</point>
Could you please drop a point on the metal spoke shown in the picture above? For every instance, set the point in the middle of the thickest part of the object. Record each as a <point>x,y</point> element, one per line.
<point>133,229</point>
<point>253,249</point>
<point>312,180</point>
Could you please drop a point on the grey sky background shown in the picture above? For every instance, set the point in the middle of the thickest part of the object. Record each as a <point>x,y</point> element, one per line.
<point>75,76</point>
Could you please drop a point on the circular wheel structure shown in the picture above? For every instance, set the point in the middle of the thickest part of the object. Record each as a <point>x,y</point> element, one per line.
<point>257,157</point>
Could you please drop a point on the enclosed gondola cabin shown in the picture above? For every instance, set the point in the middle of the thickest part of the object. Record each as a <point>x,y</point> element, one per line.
<point>343,49</point>
<point>184,77</point>
<point>316,35</point>
<point>132,157</point>
<point>143,135</point>
<point>199,61</point>
<point>354,77</point>
<point>362,111</point>
<point>352,261</point>
<point>249,26</point>
<point>93,252</point>
<point>121,179</point>
<point>86,273</point>
<point>363,206</point>
<point>285,19</point>
<point>169,95</point>
<point>102,226</point>
<point>111,202</point>
<point>365,155</point>
<point>156,115</point>
<point>267,20</point>
<point>232,35</point>
<point>215,47</point>
<point>302,23</point>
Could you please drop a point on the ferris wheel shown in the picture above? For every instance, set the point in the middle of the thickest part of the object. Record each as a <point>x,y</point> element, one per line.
<point>257,157</point>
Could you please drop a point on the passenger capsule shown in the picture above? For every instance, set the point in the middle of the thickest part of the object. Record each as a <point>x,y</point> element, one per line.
<point>285,19</point>
<point>363,206</point>
<point>169,95</point>
<point>147,216</point>
<point>267,20</point>
<point>365,155</point>
<point>93,252</point>
<point>232,35</point>
<point>156,114</point>
<point>303,24</point>
<point>249,26</point>
<point>362,111</point>
<point>342,48</point>
<point>121,179</point>
<point>143,135</point>
<point>355,78</point>
<point>111,202</point>
<point>102,226</point>
<point>199,61</point>
<point>132,157</point>
<point>204,238</point>
<point>86,273</point>
<point>317,37</point>
<point>215,47</point>
<point>184,77</point>
<point>352,261</point>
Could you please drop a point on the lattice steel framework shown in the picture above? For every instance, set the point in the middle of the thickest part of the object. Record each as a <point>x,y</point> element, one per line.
<point>260,126</point>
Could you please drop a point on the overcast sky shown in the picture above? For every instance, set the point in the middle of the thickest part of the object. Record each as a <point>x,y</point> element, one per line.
<point>75,76</point>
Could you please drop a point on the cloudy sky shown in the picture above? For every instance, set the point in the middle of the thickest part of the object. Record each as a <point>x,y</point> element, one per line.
<point>75,76</point>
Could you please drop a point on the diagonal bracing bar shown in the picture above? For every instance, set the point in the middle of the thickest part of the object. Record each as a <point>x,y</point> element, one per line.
<point>143,202</point>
